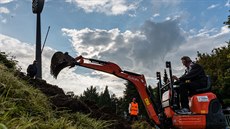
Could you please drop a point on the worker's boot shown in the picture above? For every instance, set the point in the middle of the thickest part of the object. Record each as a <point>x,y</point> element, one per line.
<point>184,111</point>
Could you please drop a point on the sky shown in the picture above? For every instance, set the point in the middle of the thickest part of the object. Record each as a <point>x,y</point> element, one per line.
<point>138,35</point>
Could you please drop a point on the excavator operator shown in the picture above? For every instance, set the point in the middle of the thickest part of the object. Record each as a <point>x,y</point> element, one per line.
<point>193,78</point>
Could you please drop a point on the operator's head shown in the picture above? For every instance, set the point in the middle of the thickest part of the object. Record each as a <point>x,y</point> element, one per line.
<point>186,61</point>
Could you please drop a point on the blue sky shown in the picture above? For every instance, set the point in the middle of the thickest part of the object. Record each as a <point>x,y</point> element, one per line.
<point>138,35</point>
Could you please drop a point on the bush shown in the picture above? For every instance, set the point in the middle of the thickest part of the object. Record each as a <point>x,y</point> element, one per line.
<point>8,62</point>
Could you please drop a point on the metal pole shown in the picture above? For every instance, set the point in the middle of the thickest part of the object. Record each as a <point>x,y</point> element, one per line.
<point>38,47</point>
<point>116,108</point>
<point>45,39</point>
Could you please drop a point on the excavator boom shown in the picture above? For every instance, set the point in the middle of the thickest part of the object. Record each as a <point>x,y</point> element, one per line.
<point>61,60</point>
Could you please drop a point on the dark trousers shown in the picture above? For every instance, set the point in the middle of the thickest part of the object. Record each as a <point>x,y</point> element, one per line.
<point>189,89</point>
<point>133,118</point>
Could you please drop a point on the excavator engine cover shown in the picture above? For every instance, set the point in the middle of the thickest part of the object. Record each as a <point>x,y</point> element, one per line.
<point>60,61</point>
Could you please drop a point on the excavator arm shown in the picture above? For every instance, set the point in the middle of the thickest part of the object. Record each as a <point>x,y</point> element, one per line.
<point>61,60</point>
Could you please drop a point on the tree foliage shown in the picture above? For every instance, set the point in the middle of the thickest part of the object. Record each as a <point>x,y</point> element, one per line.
<point>90,94</point>
<point>104,98</point>
<point>217,65</point>
<point>8,61</point>
<point>228,21</point>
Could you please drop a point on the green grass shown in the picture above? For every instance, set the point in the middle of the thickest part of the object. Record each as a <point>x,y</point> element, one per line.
<point>24,107</point>
<point>141,125</point>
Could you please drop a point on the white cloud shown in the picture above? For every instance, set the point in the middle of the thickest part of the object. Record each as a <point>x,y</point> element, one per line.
<point>227,3</point>
<point>109,7</point>
<point>4,10</point>
<point>3,20</point>
<point>5,1</point>
<point>224,31</point>
<point>89,42</point>
<point>168,18</point>
<point>139,51</point>
<point>156,15</point>
<point>213,6</point>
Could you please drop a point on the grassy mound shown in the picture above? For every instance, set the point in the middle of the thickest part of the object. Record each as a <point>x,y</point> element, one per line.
<point>24,107</point>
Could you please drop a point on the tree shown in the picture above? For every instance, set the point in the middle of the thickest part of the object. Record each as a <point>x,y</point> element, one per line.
<point>115,104</point>
<point>104,99</point>
<point>90,94</point>
<point>9,62</point>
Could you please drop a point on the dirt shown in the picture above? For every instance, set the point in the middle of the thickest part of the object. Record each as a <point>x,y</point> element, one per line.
<point>61,101</point>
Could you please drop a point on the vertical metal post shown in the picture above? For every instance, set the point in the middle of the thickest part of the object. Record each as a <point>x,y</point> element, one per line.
<point>116,108</point>
<point>37,6</point>
<point>38,47</point>
<point>159,84</point>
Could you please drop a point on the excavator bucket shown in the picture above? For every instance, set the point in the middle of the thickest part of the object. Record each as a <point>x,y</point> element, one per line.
<point>60,61</point>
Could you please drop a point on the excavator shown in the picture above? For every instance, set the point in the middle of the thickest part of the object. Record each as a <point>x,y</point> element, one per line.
<point>206,111</point>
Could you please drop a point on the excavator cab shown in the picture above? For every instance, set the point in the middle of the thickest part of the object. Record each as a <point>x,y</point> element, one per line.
<point>206,112</point>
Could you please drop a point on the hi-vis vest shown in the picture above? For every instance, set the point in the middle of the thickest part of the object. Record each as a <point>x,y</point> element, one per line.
<point>134,108</point>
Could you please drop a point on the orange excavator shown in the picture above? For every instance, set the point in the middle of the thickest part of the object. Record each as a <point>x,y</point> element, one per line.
<point>206,111</point>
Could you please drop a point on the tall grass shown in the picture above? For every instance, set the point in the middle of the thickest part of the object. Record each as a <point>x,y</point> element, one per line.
<point>24,107</point>
<point>141,125</point>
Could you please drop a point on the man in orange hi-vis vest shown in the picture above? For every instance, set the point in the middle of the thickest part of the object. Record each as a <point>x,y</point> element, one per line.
<point>133,110</point>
